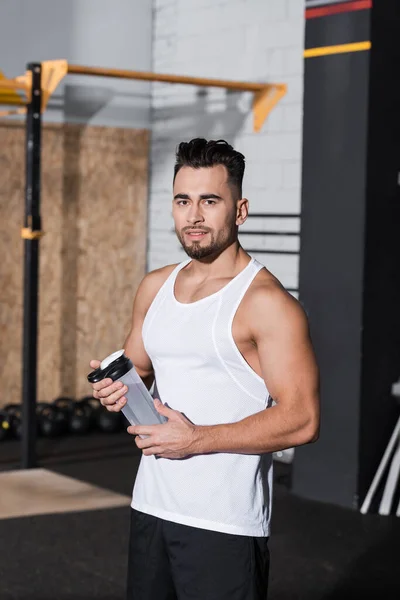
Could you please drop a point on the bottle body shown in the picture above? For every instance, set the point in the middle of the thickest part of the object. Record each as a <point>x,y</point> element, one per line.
<point>139,409</point>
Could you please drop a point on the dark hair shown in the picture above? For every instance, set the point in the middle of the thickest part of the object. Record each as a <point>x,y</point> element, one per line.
<point>199,153</point>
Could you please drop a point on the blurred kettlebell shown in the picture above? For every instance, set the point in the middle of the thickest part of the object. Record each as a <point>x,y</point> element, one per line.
<point>51,420</point>
<point>5,425</point>
<point>14,412</point>
<point>80,420</point>
<point>109,421</point>
<point>93,407</point>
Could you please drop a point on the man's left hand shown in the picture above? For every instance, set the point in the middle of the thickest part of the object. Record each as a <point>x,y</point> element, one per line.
<point>177,438</point>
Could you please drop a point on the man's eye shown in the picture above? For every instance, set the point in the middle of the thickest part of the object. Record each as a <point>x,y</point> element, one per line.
<point>212,201</point>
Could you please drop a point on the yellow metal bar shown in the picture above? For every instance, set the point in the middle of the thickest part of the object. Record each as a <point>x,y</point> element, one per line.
<point>7,93</point>
<point>12,100</point>
<point>53,71</point>
<point>28,234</point>
<point>341,49</point>
<point>265,101</point>
<point>13,84</point>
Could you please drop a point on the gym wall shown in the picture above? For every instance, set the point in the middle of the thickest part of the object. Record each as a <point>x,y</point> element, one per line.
<point>253,40</point>
<point>97,33</point>
<point>94,188</point>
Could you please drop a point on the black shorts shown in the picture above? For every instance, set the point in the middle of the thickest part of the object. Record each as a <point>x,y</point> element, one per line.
<point>168,561</point>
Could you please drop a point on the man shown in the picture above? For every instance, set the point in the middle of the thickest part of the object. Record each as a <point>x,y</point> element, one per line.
<point>231,354</point>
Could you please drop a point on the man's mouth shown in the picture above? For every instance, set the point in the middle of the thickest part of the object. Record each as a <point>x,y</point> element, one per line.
<point>196,234</point>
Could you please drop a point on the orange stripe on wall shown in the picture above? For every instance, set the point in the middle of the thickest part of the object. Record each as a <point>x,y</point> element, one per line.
<point>340,49</point>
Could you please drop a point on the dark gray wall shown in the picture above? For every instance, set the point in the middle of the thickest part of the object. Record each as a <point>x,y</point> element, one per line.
<point>102,33</point>
<point>381,330</point>
<point>349,266</point>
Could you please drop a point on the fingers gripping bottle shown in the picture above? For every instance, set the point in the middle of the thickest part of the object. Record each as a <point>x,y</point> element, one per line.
<point>139,408</point>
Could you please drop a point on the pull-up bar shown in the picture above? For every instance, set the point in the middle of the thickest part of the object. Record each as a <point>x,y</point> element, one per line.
<point>147,76</point>
<point>266,95</point>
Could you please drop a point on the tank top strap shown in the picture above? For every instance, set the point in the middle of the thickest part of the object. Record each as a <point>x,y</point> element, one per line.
<point>236,289</point>
<point>165,290</point>
<point>170,281</point>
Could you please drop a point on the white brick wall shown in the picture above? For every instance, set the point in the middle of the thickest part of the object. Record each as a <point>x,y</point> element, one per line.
<point>260,40</point>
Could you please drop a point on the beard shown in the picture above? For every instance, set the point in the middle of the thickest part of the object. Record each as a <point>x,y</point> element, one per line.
<point>197,250</point>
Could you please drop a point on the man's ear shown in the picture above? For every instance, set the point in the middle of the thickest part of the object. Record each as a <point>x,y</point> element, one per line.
<point>242,211</point>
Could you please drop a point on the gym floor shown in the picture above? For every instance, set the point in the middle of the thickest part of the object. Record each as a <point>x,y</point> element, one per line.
<point>318,551</point>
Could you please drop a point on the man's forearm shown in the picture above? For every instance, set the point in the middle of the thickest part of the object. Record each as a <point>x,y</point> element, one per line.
<point>270,430</point>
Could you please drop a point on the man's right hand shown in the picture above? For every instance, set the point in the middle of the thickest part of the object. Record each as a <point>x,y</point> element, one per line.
<point>109,392</point>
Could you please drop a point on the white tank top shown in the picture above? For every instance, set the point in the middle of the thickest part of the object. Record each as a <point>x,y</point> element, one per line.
<point>200,372</point>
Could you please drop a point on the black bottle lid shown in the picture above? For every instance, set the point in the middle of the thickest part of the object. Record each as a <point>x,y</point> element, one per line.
<point>112,367</point>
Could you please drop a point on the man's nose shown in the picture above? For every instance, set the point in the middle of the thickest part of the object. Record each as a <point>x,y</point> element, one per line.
<point>195,215</point>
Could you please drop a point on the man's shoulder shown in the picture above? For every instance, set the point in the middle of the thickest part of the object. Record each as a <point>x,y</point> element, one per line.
<point>161,274</point>
<point>265,286</point>
<point>267,298</point>
<point>153,281</point>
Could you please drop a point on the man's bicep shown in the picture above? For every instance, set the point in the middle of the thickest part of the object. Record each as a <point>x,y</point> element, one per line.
<point>286,354</point>
<point>134,346</point>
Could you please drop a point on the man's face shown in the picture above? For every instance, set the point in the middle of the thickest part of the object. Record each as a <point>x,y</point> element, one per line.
<point>205,211</point>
